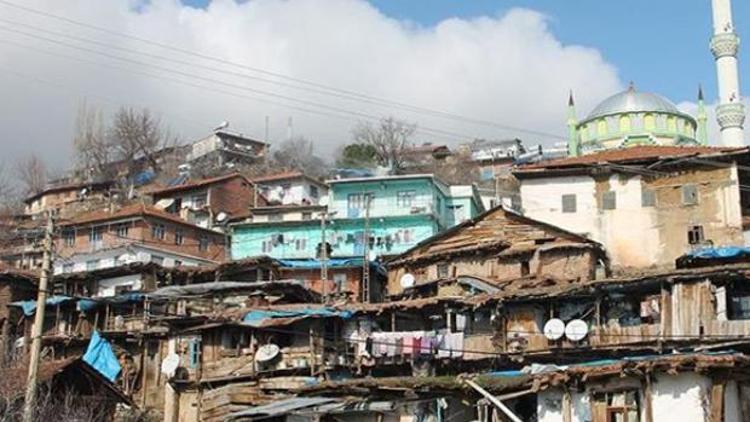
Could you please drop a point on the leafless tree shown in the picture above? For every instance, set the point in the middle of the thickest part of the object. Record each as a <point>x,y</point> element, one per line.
<point>137,136</point>
<point>299,154</point>
<point>32,173</point>
<point>92,150</point>
<point>390,138</point>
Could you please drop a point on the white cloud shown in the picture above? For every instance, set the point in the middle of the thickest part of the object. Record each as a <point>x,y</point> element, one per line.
<point>508,69</point>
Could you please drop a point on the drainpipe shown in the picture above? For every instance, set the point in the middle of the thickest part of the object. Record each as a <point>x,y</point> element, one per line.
<point>494,400</point>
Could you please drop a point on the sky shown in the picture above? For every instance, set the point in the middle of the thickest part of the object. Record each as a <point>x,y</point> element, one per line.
<point>458,69</point>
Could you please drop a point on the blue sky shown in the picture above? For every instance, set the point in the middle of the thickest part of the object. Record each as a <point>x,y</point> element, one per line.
<point>662,45</point>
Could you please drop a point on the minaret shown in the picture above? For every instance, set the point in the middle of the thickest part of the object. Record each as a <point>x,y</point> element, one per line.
<point>730,113</point>
<point>572,127</point>
<point>702,130</point>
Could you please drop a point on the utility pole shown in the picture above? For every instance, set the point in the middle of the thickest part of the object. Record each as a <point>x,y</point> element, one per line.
<point>366,260</point>
<point>323,254</point>
<point>36,329</point>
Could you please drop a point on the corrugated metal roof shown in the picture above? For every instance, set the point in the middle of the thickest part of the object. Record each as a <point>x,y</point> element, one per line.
<point>281,407</point>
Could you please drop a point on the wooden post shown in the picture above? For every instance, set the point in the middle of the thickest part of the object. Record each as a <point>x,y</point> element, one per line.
<point>37,328</point>
<point>648,391</point>
<point>567,406</point>
<point>5,341</point>
<point>144,372</point>
<point>717,401</point>
<point>312,348</point>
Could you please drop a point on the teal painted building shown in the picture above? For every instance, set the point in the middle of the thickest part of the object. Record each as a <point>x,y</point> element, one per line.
<point>403,211</point>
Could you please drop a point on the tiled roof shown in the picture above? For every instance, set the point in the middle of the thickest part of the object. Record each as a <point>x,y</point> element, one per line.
<point>632,154</point>
<point>135,210</point>
<point>196,184</point>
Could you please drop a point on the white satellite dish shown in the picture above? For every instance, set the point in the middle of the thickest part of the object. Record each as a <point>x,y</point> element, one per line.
<point>407,280</point>
<point>221,216</point>
<point>576,330</point>
<point>266,352</point>
<point>554,329</point>
<point>169,364</point>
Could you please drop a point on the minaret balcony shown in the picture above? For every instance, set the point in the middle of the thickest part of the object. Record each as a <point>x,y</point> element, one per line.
<point>730,115</point>
<point>725,45</point>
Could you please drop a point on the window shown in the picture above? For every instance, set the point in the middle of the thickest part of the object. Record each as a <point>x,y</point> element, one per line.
<point>569,203</point>
<point>408,236</point>
<point>739,305</point>
<point>179,239</point>
<point>92,265</point>
<point>177,263</point>
<point>359,201</point>
<point>405,198</point>
<point>695,235</point>
<point>267,246</point>
<point>443,270</point>
<point>648,198</point>
<point>609,200</point>
<point>339,279</point>
<point>689,194</point>
<point>307,216</point>
<point>158,231</point>
<point>121,230</point>
<point>525,268</point>
<point>69,237</point>
<point>300,244</point>
<point>199,201</point>
<point>203,243</point>
<point>313,191</point>
<point>67,268</point>
<point>95,237</point>
<point>156,259</point>
<point>621,406</point>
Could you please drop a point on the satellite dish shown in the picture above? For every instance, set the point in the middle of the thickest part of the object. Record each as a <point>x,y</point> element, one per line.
<point>554,329</point>
<point>372,256</point>
<point>221,216</point>
<point>407,280</point>
<point>576,330</point>
<point>169,364</point>
<point>266,353</point>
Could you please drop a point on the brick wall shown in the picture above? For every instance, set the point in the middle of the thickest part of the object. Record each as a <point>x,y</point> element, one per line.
<point>140,230</point>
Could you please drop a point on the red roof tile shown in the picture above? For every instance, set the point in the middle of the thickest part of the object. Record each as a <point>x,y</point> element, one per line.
<point>135,210</point>
<point>632,154</point>
<point>197,184</point>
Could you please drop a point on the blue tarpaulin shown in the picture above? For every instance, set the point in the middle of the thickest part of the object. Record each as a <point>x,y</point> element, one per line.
<point>100,356</point>
<point>723,252</point>
<point>314,264</point>
<point>258,317</point>
<point>29,306</point>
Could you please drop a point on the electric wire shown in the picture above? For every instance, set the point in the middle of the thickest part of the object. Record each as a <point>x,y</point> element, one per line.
<point>438,113</point>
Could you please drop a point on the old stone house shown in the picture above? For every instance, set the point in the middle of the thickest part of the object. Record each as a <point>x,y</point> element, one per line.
<point>499,244</point>
<point>647,205</point>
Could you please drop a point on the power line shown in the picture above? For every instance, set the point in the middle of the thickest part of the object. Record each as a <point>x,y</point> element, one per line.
<point>423,129</point>
<point>332,90</point>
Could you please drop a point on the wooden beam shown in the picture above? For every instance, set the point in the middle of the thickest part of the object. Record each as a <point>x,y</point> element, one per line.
<point>717,401</point>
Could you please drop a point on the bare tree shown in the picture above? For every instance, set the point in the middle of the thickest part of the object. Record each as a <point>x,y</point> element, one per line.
<point>299,154</point>
<point>32,173</point>
<point>390,138</point>
<point>93,152</point>
<point>136,136</point>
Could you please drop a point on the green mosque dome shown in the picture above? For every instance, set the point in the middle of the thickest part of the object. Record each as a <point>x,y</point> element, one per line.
<point>632,118</point>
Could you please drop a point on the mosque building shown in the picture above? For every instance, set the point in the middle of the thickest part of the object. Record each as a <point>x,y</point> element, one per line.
<point>633,117</point>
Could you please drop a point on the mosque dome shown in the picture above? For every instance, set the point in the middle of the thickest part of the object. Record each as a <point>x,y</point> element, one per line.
<point>632,101</point>
<point>631,118</point>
